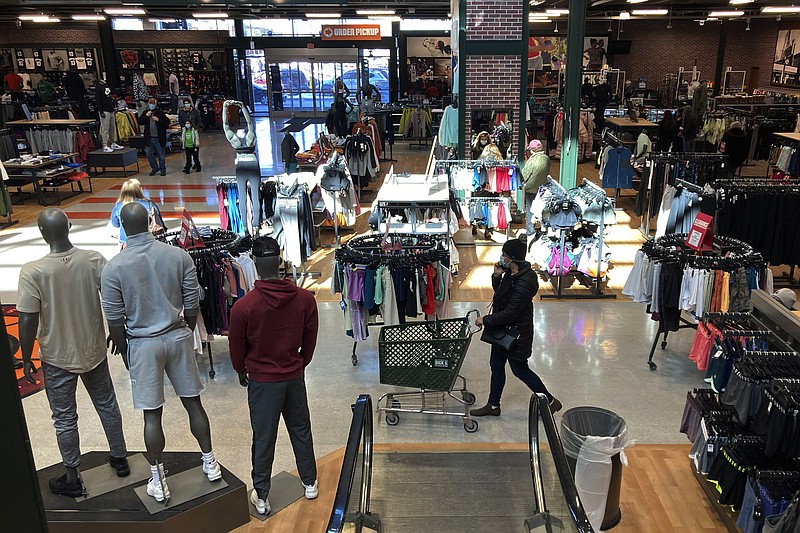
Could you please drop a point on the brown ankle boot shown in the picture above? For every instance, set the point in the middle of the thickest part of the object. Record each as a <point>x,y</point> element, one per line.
<point>486,410</point>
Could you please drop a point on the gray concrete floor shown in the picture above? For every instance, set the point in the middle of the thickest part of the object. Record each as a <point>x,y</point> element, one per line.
<point>588,353</point>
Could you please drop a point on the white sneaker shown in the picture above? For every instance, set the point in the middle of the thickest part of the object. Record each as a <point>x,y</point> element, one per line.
<point>115,146</point>
<point>212,470</point>
<point>107,149</point>
<point>158,492</point>
<point>262,506</point>
<point>311,490</point>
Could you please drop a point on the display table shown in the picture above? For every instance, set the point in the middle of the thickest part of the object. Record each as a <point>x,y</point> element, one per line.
<point>45,176</point>
<point>53,122</point>
<point>794,137</point>
<point>624,123</point>
<point>116,159</point>
<point>413,193</point>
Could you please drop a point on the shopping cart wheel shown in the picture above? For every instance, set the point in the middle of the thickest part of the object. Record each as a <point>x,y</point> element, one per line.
<point>392,419</point>
<point>468,397</point>
<point>469,427</point>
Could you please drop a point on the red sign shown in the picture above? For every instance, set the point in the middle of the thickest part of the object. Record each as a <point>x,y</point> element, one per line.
<point>189,237</point>
<point>351,32</point>
<point>701,236</point>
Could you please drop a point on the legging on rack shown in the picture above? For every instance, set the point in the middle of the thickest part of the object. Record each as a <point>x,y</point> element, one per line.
<point>248,171</point>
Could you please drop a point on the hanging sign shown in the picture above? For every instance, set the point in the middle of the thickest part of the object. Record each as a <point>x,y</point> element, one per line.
<point>701,236</point>
<point>189,237</point>
<point>351,32</point>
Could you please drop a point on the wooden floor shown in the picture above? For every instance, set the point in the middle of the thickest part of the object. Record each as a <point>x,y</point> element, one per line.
<point>659,492</point>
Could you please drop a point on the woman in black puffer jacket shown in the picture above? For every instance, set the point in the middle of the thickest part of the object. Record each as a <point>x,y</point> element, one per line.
<point>515,284</point>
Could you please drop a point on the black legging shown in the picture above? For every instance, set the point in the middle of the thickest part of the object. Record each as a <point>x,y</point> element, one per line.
<point>340,120</point>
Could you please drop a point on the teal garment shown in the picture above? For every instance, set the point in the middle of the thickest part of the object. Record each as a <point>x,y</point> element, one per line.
<point>379,285</point>
<point>448,129</point>
<point>353,114</point>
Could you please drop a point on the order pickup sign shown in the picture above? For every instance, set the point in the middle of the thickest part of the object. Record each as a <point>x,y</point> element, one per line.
<point>701,236</point>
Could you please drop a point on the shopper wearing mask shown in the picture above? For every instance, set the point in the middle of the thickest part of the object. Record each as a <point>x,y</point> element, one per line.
<point>515,284</point>
<point>188,113</point>
<point>734,145</point>
<point>190,140</point>
<point>155,124</point>
<point>534,175</point>
<point>480,143</point>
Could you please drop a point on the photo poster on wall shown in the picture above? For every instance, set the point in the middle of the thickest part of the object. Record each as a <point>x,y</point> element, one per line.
<point>7,59</point>
<point>56,60</point>
<point>548,52</point>
<point>428,47</point>
<point>786,62</point>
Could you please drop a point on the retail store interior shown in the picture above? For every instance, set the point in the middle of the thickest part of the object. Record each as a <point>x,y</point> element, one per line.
<point>315,198</point>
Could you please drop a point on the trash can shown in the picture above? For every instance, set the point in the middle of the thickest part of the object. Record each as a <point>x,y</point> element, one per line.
<point>594,441</point>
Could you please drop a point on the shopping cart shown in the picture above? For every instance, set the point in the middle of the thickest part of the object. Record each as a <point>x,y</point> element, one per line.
<point>426,356</point>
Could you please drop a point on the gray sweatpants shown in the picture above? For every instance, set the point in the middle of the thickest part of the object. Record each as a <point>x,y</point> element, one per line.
<point>60,386</point>
<point>268,401</point>
<point>108,128</point>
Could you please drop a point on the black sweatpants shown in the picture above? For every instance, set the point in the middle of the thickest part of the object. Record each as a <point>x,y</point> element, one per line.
<point>268,401</point>
<point>192,154</point>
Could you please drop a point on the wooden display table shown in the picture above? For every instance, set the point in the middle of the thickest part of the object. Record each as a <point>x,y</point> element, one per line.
<point>116,159</point>
<point>43,179</point>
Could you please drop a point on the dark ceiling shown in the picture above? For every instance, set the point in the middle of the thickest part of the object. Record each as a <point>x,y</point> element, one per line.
<point>597,9</point>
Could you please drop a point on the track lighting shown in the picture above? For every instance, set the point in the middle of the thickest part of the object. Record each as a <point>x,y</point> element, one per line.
<point>748,25</point>
<point>556,30</point>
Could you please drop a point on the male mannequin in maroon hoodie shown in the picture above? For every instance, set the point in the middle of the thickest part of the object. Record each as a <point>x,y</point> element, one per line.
<point>272,337</point>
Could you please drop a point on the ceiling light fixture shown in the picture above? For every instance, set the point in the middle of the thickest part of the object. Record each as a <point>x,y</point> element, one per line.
<point>748,24</point>
<point>375,12</point>
<point>535,3</point>
<point>323,15</point>
<point>390,18</point>
<point>125,11</point>
<point>636,1</point>
<point>88,17</point>
<point>644,12</point>
<point>204,15</point>
<point>780,9</point>
<point>162,21</point>
<point>610,28</point>
<point>739,2</point>
<point>557,12</point>
<point>32,17</point>
<point>539,21</point>
<point>46,19</point>
<point>624,15</point>
<point>556,30</point>
<point>734,13</point>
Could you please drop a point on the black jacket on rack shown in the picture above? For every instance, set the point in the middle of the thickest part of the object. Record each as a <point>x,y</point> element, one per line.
<point>512,304</point>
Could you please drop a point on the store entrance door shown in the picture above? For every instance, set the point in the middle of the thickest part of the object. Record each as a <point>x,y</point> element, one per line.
<point>305,88</point>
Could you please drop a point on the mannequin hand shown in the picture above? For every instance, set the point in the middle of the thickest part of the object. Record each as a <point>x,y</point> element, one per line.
<point>244,381</point>
<point>28,369</point>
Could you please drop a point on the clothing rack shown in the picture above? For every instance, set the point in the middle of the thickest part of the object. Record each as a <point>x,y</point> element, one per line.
<point>220,241</point>
<point>596,286</point>
<point>393,250</point>
<point>672,247</point>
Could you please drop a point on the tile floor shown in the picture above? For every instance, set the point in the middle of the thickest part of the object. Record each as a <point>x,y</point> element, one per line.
<point>588,352</point>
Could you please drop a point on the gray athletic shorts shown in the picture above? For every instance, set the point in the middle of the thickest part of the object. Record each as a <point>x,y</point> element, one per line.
<point>151,357</point>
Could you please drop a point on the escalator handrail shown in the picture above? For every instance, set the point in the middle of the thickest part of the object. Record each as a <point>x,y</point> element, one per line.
<point>360,427</point>
<point>539,408</point>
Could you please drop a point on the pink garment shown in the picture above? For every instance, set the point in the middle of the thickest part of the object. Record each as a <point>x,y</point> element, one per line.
<point>703,344</point>
<point>502,179</point>
<point>224,222</point>
<point>492,174</point>
<point>502,217</point>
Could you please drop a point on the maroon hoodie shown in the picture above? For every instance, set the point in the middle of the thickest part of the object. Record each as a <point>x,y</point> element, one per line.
<point>273,331</point>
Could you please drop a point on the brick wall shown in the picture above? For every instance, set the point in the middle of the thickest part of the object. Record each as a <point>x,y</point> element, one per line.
<point>494,20</point>
<point>492,82</point>
<point>171,38</point>
<point>30,34</point>
<point>656,51</point>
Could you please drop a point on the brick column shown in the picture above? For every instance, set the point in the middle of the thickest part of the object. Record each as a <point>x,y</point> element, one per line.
<point>492,62</point>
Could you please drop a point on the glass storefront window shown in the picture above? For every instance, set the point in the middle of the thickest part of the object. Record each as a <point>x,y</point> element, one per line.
<point>212,24</point>
<point>127,23</point>
<point>268,28</point>
<point>301,27</point>
<point>425,25</point>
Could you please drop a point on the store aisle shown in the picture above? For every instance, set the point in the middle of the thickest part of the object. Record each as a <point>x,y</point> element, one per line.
<point>592,354</point>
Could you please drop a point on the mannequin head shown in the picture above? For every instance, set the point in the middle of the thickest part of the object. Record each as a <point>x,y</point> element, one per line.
<point>135,219</point>
<point>54,227</point>
<point>267,257</point>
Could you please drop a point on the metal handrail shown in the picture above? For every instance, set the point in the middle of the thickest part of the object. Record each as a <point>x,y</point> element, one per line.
<point>360,433</point>
<point>539,408</point>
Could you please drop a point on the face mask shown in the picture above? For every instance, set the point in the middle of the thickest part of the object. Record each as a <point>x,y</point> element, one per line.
<point>187,106</point>
<point>151,106</point>
<point>484,142</point>
<point>187,126</point>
